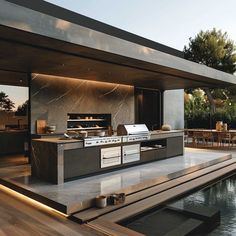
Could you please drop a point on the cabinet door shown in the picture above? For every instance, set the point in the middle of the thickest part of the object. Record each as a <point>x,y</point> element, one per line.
<point>175,146</point>
<point>131,153</point>
<point>12,143</point>
<point>82,161</point>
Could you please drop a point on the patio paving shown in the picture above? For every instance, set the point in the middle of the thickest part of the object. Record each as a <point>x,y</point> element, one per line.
<point>79,194</point>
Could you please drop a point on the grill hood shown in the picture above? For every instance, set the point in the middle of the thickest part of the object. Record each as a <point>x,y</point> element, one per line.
<point>135,129</point>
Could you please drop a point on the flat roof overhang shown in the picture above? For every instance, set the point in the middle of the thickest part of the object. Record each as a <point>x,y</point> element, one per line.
<point>35,42</point>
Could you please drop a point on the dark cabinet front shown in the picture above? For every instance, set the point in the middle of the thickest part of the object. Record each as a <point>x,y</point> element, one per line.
<point>174,146</point>
<point>83,161</point>
<point>12,142</point>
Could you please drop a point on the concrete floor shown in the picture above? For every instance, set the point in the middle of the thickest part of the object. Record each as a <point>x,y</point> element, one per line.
<point>79,194</point>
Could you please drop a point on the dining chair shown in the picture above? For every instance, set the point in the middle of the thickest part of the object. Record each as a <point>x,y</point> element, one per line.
<point>208,137</point>
<point>188,136</point>
<point>233,138</point>
<point>197,137</point>
<point>224,137</point>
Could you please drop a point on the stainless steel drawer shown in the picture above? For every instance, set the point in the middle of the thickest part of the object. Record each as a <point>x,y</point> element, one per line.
<point>131,153</point>
<point>110,156</point>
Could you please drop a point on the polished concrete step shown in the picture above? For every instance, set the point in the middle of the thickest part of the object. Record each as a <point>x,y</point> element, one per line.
<point>94,212</point>
<point>166,195</point>
<point>79,194</point>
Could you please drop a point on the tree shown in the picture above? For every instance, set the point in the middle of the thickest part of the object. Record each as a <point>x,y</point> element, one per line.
<point>214,49</point>
<point>5,103</point>
<point>22,110</point>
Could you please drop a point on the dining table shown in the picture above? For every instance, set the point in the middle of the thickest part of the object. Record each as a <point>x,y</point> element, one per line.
<point>218,136</point>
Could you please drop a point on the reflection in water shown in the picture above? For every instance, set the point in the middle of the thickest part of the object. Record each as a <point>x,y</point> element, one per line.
<point>221,195</point>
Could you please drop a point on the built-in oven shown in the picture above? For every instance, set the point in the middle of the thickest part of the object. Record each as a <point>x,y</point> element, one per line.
<point>130,153</point>
<point>110,156</point>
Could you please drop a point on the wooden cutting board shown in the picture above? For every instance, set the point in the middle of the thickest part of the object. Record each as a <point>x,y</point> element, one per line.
<point>41,126</point>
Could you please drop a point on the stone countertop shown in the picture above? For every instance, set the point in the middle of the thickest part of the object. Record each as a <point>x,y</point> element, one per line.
<point>154,134</point>
<point>57,140</point>
<point>13,131</point>
<point>159,134</point>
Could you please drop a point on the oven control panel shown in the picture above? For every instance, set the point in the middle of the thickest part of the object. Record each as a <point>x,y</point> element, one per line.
<point>135,138</point>
<point>98,141</point>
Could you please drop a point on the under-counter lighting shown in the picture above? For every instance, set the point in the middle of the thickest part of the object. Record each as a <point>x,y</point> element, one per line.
<point>30,201</point>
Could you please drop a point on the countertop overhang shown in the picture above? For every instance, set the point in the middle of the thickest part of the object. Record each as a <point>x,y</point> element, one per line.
<point>157,134</point>
<point>45,40</point>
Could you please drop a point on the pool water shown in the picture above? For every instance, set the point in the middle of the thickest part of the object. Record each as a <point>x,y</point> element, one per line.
<point>221,195</point>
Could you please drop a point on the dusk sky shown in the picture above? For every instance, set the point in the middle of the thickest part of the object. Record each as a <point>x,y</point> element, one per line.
<point>17,94</point>
<point>167,22</point>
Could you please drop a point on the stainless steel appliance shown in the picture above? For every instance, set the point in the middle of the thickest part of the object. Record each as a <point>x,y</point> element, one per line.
<point>126,133</point>
<point>110,156</point>
<point>98,141</point>
<point>130,153</point>
<point>132,133</point>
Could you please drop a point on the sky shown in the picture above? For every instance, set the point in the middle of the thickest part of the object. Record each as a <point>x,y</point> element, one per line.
<point>17,94</point>
<point>170,22</point>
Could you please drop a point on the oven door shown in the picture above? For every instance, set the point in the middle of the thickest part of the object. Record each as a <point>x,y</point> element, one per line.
<point>131,153</point>
<point>110,156</point>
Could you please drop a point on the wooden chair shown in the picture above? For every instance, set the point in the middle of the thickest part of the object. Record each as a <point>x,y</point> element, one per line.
<point>188,135</point>
<point>224,137</point>
<point>208,137</point>
<point>233,138</point>
<point>198,137</point>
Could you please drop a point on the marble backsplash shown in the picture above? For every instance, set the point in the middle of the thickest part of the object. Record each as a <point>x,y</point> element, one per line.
<point>53,97</point>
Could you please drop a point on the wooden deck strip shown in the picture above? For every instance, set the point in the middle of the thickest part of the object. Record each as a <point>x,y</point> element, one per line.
<point>112,228</point>
<point>148,203</point>
<point>92,213</point>
<point>19,218</point>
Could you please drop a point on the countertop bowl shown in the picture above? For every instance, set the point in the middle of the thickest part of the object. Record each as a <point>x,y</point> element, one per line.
<point>51,128</point>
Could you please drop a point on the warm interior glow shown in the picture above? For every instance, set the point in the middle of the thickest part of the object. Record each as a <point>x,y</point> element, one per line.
<point>98,83</point>
<point>30,201</point>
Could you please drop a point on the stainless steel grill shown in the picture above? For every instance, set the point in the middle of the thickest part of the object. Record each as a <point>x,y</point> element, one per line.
<point>132,133</point>
<point>135,129</point>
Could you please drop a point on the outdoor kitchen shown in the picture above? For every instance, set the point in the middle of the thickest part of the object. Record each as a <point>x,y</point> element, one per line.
<point>94,132</point>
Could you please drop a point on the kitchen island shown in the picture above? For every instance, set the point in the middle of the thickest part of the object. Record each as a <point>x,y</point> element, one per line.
<point>12,141</point>
<point>58,160</point>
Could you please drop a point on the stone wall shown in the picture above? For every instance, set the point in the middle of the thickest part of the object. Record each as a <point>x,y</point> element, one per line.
<point>53,97</point>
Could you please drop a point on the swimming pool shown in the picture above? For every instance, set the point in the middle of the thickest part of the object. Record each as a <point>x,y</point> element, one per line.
<point>220,195</point>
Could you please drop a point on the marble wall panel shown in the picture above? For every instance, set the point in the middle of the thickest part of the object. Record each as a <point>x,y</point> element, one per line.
<point>53,97</point>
